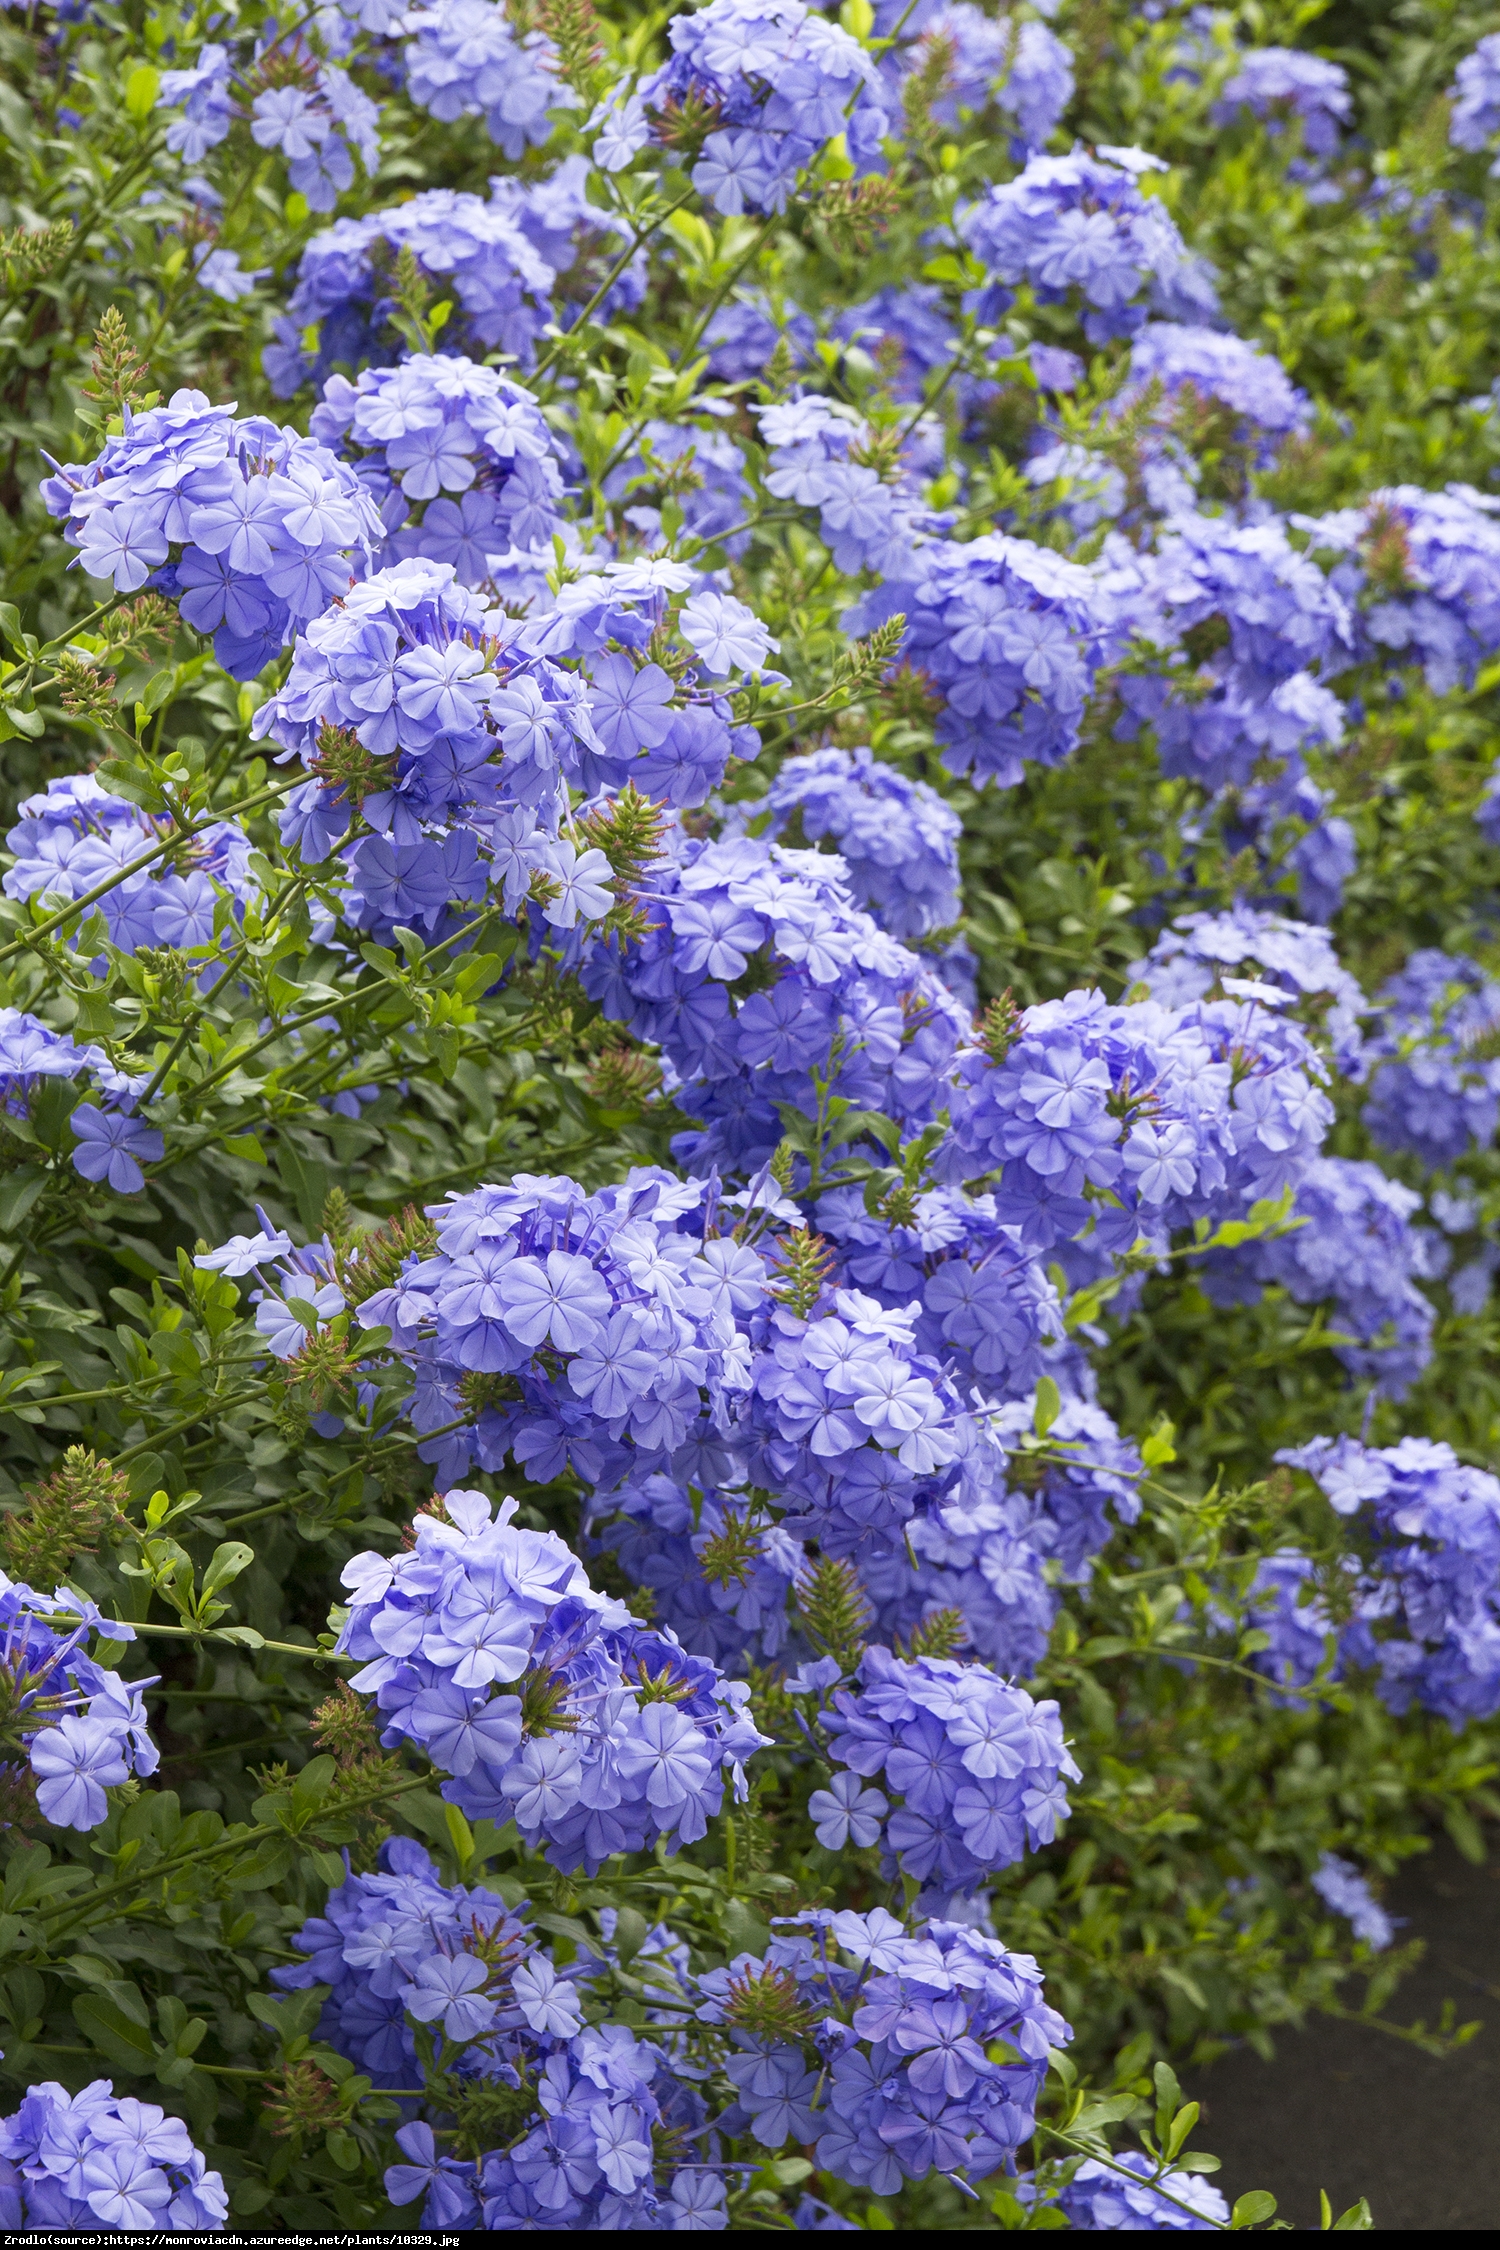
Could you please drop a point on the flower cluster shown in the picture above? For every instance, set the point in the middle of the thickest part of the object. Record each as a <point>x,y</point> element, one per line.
<point>1007,635</point>
<point>719,1577</point>
<point>1275,83</point>
<point>250,528</point>
<point>74,835</point>
<point>975,1297</point>
<point>1245,620</point>
<point>292,99</point>
<point>833,999</point>
<point>1352,1246</point>
<point>399,1948</point>
<point>1129,2195</point>
<point>1421,574</point>
<point>112,1144</point>
<point>1283,1602</point>
<point>1430,1090</point>
<point>1342,1887</point>
<point>1081,225</point>
<point>894,2069</point>
<point>820,454</point>
<point>456,457</point>
<point>1427,1615</point>
<point>982,1552</point>
<point>1023,69</point>
<point>1166,1115</point>
<point>897,838</point>
<point>587,2157</point>
<point>1198,413</point>
<point>614,1735</point>
<point>979,1766</point>
<point>1269,955</point>
<point>1475,95</point>
<point>607,1320</point>
<point>416,704</point>
<point>464,59</point>
<point>757,88</point>
<point>346,285</point>
<point>94,2160</point>
<point>81,1728</point>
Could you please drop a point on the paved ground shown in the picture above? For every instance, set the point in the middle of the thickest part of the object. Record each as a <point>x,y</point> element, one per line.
<point>1359,2113</point>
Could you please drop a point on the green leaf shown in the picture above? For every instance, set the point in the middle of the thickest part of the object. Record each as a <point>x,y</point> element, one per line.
<point>10,626</point>
<point>1253,2209</point>
<point>1048,1406</point>
<point>228,1561</point>
<point>116,2019</point>
<point>744,1931</point>
<point>142,86</point>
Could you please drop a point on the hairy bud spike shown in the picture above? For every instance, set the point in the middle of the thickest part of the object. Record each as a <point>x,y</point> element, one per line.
<point>834,1609</point>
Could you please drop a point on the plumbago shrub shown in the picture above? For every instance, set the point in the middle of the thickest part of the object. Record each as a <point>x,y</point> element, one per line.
<point>750,1056</point>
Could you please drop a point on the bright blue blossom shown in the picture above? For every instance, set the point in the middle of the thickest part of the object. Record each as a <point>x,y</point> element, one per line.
<point>1275,83</point>
<point>74,835</point>
<point>1421,574</point>
<point>777,81</point>
<point>251,529</point>
<point>1009,637</point>
<point>1081,226</point>
<point>1430,1091</point>
<point>95,2160</point>
<point>455,455</point>
<point>294,101</point>
<point>497,281</point>
<point>464,59</point>
<point>897,838</point>
<point>613,1735</point>
<point>1022,69</point>
<point>979,1768</point>
<point>1475,95</point>
<point>1356,1249</point>
<point>81,1728</point>
<point>900,2072</point>
<point>1342,1887</point>
<point>1427,1607</point>
<point>1129,2195</point>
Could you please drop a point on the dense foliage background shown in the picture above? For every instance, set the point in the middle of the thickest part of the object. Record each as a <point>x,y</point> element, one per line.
<point>1099,553</point>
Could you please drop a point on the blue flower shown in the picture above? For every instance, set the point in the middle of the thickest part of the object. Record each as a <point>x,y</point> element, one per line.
<point>112,1147</point>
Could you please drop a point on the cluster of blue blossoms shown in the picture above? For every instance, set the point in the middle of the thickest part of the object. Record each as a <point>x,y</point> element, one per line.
<point>773,81</point>
<point>94,2160</point>
<point>294,101</point>
<point>1082,226</point>
<point>836,999</point>
<point>74,836</point>
<point>1341,1886</point>
<point>465,59</point>
<point>897,839</point>
<point>81,1728</point>
<point>456,758</point>
<point>501,284</point>
<point>252,529</point>
<point>614,1736</point>
<point>1131,2195</point>
<point>1007,636</point>
<point>1427,1613</point>
<point>894,2077</point>
<point>1277,84</point>
<point>456,457</point>
<point>398,1949</point>
<point>979,1766</point>
<point>1021,68</point>
<point>1429,1091</point>
<point>112,1143</point>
